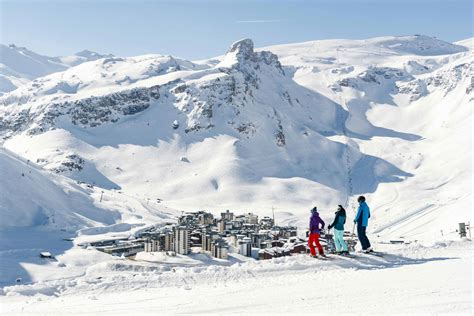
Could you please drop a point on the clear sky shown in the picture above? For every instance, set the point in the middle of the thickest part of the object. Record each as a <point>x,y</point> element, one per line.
<point>202,29</point>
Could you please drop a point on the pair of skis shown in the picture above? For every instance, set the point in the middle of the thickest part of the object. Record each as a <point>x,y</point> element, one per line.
<point>374,253</point>
<point>354,256</point>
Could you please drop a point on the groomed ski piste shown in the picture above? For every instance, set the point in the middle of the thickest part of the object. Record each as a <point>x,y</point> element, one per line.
<point>315,123</point>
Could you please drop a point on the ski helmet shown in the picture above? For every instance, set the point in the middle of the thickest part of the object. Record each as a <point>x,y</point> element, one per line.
<point>361,199</point>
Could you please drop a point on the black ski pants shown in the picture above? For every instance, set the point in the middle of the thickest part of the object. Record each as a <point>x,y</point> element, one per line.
<point>364,241</point>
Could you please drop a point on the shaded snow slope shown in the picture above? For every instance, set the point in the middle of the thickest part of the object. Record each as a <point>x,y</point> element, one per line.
<point>33,197</point>
<point>42,211</point>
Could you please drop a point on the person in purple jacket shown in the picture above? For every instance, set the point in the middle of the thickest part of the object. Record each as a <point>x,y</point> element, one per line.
<point>314,230</point>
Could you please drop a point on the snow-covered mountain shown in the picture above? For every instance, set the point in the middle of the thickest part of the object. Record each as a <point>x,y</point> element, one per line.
<point>100,147</point>
<point>286,126</point>
<point>19,65</point>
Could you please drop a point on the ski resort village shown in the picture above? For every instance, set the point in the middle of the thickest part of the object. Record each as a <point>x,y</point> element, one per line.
<point>236,157</point>
<point>200,232</point>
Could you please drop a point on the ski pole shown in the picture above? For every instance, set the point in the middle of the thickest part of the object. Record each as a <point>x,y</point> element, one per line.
<point>352,235</point>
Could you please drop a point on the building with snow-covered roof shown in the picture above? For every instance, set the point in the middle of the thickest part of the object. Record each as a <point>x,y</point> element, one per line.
<point>169,241</point>
<point>181,240</point>
<point>270,253</point>
<point>284,231</point>
<point>245,247</point>
<point>299,248</point>
<point>152,245</point>
<point>205,218</point>
<point>251,218</point>
<point>124,249</point>
<point>266,223</point>
<point>208,239</point>
<point>258,238</point>
<point>220,249</point>
<point>227,215</point>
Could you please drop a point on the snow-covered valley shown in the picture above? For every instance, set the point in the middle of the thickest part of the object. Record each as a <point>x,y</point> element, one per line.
<point>107,146</point>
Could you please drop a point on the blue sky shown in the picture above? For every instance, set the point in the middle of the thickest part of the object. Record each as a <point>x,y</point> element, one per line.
<point>201,29</point>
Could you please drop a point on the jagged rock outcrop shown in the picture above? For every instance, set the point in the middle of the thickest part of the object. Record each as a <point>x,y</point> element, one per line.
<point>87,112</point>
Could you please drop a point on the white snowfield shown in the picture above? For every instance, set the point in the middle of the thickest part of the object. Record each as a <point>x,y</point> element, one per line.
<point>412,279</point>
<point>104,148</point>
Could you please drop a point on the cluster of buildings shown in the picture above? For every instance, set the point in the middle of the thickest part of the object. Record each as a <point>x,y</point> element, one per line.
<point>243,234</point>
<point>201,231</point>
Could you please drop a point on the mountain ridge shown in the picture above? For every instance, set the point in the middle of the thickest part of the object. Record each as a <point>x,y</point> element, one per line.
<point>19,65</point>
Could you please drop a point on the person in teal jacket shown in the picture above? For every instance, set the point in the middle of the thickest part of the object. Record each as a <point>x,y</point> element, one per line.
<point>362,220</point>
<point>338,225</point>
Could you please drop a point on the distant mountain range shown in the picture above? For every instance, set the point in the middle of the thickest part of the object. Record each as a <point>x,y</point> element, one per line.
<point>19,65</point>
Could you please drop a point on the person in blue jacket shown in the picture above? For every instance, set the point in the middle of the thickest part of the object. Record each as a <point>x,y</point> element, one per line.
<point>338,225</point>
<point>362,220</point>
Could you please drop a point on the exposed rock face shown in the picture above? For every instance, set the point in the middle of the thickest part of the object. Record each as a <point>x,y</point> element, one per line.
<point>404,83</point>
<point>234,87</point>
<point>243,73</point>
<point>243,49</point>
<point>374,75</point>
<point>415,89</point>
<point>448,79</point>
<point>88,112</point>
<point>70,163</point>
<point>246,91</point>
<point>246,59</point>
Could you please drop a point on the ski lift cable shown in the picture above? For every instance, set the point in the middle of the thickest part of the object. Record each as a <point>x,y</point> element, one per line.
<point>347,149</point>
<point>344,131</point>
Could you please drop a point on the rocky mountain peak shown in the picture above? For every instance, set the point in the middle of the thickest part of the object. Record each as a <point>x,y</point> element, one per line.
<point>242,48</point>
<point>241,55</point>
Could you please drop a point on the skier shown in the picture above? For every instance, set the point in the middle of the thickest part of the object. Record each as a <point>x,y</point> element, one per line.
<point>314,231</point>
<point>362,220</point>
<point>338,224</point>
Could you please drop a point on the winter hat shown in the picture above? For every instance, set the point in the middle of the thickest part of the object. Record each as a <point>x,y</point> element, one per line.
<point>314,210</point>
<point>361,199</point>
